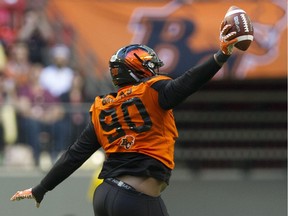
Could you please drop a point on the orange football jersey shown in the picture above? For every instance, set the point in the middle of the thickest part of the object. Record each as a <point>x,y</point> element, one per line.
<point>133,121</point>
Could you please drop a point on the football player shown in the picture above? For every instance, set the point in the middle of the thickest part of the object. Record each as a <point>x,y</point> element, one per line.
<point>136,129</point>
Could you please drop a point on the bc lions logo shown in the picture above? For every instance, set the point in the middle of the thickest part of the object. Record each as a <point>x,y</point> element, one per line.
<point>183,36</point>
<point>127,141</point>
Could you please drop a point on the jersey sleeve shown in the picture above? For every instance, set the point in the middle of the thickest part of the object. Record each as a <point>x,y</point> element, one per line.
<point>173,92</point>
<point>72,158</point>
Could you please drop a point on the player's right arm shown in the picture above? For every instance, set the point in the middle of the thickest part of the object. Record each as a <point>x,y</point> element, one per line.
<point>69,162</point>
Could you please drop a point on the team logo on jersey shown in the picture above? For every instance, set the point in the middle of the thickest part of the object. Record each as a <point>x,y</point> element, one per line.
<point>127,141</point>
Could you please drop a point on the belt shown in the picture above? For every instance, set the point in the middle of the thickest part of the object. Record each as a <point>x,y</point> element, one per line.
<point>120,183</point>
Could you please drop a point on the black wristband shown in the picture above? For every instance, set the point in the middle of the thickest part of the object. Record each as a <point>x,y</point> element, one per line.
<point>220,57</point>
<point>38,192</point>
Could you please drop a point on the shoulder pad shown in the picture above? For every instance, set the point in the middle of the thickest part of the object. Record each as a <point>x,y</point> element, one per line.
<point>151,80</point>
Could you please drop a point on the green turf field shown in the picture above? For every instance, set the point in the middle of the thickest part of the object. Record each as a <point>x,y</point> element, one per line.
<point>202,194</point>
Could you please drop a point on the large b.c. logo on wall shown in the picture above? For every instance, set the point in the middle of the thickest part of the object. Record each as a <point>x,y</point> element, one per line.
<point>171,34</point>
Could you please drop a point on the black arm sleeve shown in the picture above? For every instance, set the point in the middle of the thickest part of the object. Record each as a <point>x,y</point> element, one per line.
<point>173,92</point>
<point>71,159</point>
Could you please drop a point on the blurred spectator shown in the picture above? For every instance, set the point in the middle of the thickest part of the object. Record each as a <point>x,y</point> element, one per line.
<point>2,57</point>
<point>77,115</point>
<point>11,13</point>
<point>14,75</point>
<point>58,77</point>
<point>15,9</point>
<point>8,124</point>
<point>17,67</point>
<point>37,33</point>
<point>7,33</point>
<point>41,116</point>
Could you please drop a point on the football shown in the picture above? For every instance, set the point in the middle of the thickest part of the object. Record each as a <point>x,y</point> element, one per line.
<point>242,25</point>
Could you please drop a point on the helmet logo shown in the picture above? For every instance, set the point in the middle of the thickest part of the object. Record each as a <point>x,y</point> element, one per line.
<point>127,141</point>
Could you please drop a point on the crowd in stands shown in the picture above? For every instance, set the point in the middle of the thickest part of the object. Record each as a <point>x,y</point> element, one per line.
<point>40,92</point>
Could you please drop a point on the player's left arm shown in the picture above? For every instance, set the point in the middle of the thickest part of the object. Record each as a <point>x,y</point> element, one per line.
<point>173,92</point>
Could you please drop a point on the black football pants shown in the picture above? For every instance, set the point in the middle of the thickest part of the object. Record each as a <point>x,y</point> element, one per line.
<point>112,200</point>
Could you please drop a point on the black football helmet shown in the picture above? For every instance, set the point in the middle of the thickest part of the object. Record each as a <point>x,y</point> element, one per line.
<point>132,63</point>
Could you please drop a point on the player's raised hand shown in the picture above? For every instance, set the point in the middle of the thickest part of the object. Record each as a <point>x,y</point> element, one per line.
<point>227,39</point>
<point>25,194</point>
